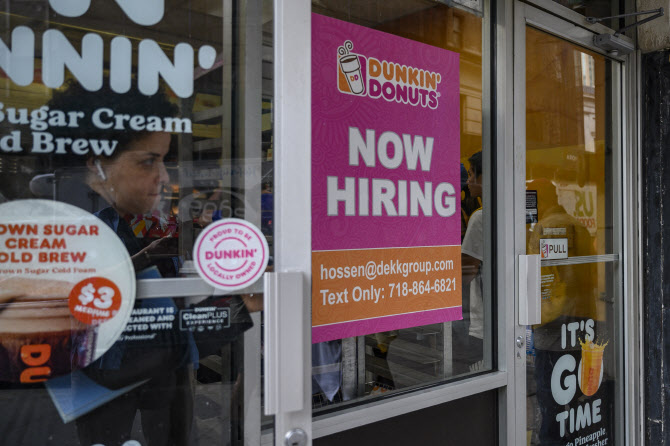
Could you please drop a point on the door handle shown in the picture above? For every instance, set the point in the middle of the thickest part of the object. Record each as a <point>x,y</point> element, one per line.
<point>283,338</point>
<point>529,290</point>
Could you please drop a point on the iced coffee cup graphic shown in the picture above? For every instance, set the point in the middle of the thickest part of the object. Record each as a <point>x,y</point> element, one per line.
<point>39,337</point>
<point>351,68</point>
<point>591,367</point>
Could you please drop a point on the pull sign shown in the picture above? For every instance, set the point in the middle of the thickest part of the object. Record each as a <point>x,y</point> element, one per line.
<point>553,248</point>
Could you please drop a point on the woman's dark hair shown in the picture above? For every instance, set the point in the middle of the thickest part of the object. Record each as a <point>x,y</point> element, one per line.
<point>76,98</point>
<point>476,163</point>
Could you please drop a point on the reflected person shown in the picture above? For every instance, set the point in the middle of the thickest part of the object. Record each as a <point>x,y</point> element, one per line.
<point>472,255</point>
<point>131,181</point>
<point>567,296</point>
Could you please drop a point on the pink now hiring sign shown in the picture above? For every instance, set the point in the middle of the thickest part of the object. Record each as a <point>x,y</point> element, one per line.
<point>385,182</point>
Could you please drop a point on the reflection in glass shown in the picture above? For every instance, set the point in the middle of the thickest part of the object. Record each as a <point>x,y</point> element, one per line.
<point>568,131</point>
<point>158,193</point>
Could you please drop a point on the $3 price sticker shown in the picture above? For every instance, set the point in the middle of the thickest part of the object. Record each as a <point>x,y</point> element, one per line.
<point>94,300</point>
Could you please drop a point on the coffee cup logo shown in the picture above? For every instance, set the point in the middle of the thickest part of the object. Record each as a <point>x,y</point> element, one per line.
<point>350,69</point>
<point>544,249</point>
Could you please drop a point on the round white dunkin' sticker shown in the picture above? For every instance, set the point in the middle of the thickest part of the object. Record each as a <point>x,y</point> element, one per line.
<point>67,287</point>
<point>231,254</point>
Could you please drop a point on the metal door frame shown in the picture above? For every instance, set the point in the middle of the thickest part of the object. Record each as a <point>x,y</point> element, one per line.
<point>289,375</point>
<point>292,63</point>
<point>550,17</point>
<point>505,26</point>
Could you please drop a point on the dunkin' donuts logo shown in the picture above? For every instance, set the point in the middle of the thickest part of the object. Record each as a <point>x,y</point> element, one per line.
<point>231,254</point>
<point>544,249</point>
<point>36,358</point>
<point>57,51</point>
<point>367,76</point>
<point>351,77</point>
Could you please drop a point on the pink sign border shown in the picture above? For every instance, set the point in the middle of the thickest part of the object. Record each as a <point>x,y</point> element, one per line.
<point>322,333</point>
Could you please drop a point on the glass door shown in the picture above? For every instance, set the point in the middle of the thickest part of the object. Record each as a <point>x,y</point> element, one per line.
<point>138,152</point>
<point>568,136</point>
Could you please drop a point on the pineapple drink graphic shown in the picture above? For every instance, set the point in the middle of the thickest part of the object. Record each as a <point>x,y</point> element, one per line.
<point>591,366</point>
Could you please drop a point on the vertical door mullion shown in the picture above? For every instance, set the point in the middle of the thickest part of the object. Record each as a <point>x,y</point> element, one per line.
<point>249,129</point>
<point>619,269</point>
<point>504,174</point>
<point>519,207</point>
<point>293,242</point>
<point>632,199</point>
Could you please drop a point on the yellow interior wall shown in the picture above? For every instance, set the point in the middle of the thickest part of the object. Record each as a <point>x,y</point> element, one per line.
<point>457,31</point>
<point>559,146</point>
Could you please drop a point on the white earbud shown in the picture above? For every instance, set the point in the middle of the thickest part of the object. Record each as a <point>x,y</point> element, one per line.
<point>101,173</point>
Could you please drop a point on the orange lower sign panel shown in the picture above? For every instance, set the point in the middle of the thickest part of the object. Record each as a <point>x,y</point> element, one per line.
<point>358,292</point>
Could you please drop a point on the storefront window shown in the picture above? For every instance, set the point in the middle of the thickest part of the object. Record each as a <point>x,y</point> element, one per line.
<point>381,361</point>
<point>128,130</point>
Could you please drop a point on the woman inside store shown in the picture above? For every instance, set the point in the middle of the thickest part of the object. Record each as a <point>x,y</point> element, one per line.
<point>111,161</point>
<point>158,366</point>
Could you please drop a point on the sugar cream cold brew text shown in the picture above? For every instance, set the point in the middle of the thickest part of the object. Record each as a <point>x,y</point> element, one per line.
<point>384,196</point>
<point>49,229</point>
<point>20,247</point>
<point>44,118</point>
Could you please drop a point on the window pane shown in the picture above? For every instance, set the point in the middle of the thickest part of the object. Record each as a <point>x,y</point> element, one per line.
<point>154,124</point>
<point>573,377</point>
<point>569,135</point>
<point>380,363</point>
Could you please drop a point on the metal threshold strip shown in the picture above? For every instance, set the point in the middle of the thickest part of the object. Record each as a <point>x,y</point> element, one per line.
<point>580,260</point>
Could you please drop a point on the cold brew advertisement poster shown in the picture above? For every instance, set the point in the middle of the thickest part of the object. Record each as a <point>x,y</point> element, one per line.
<point>385,182</point>
<point>569,365</point>
<point>67,287</point>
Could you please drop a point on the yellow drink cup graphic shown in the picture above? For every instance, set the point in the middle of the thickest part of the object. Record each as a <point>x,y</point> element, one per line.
<point>591,367</point>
